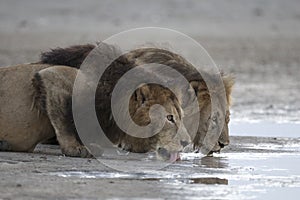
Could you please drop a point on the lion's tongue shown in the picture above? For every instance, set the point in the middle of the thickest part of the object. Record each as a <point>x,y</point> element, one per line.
<point>174,156</point>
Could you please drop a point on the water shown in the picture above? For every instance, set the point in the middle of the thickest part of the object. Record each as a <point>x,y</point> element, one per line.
<point>265,129</point>
<point>255,169</point>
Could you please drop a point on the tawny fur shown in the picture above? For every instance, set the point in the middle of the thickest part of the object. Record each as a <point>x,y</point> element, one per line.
<point>165,57</point>
<point>22,125</point>
<point>34,111</point>
<point>37,104</point>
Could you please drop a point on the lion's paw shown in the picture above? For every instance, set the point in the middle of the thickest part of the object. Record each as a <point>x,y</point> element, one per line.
<point>77,151</point>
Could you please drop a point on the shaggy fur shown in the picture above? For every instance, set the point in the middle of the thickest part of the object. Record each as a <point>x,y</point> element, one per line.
<point>71,56</point>
<point>160,56</point>
<point>36,105</point>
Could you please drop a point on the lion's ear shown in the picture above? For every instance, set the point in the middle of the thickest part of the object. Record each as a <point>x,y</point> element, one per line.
<point>201,91</point>
<point>200,88</point>
<point>228,81</point>
<point>142,94</point>
<point>194,85</point>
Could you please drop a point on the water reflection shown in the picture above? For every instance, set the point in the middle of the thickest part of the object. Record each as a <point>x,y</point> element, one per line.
<point>160,177</point>
<point>212,162</point>
<point>240,173</point>
<point>209,181</point>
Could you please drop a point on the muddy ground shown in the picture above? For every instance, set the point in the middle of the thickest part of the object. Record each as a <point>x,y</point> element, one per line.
<point>257,41</point>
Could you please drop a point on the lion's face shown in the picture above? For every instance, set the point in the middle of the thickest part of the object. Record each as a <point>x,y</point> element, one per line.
<point>172,137</point>
<point>205,114</point>
<point>205,120</point>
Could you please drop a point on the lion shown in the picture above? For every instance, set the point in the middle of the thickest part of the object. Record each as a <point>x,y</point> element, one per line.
<point>74,56</point>
<point>36,104</point>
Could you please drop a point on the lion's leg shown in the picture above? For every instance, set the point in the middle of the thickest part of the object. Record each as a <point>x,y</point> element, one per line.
<point>60,115</point>
<point>57,84</point>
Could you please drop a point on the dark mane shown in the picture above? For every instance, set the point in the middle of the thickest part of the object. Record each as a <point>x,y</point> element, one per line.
<point>72,56</point>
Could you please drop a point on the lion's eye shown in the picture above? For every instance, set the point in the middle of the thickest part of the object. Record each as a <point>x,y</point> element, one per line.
<point>171,118</point>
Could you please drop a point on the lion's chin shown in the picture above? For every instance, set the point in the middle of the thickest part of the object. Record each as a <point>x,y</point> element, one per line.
<point>212,152</point>
<point>216,149</point>
<point>165,155</point>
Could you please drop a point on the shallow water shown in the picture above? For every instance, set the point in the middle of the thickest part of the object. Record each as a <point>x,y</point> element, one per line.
<point>270,171</point>
<point>265,128</point>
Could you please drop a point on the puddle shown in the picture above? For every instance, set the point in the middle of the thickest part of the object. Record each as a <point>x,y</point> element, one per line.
<point>229,175</point>
<point>170,178</point>
<point>250,168</point>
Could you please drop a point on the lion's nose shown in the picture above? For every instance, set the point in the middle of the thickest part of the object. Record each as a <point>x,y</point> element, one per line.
<point>222,145</point>
<point>184,143</point>
<point>163,152</point>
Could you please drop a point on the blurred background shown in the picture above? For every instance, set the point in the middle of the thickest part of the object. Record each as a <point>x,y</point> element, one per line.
<point>258,41</point>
